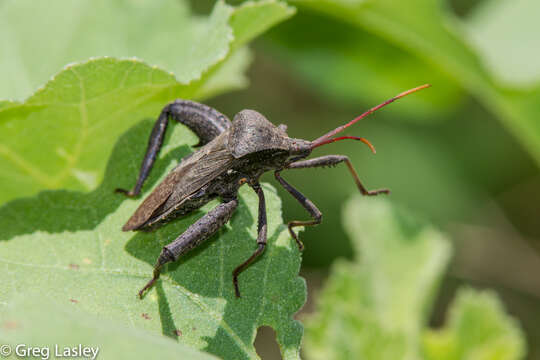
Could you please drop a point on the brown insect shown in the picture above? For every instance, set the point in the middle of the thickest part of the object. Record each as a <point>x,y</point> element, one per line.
<point>231,154</point>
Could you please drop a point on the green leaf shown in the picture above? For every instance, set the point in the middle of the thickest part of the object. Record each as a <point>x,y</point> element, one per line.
<point>433,35</point>
<point>40,38</point>
<point>375,307</point>
<point>68,245</point>
<point>29,321</point>
<point>253,18</point>
<point>229,75</point>
<point>247,22</point>
<point>5,103</point>
<point>477,329</point>
<point>61,135</point>
<point>163,33</point>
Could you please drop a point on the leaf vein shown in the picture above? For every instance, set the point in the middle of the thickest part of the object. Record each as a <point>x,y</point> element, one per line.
<point>218,318</point>
<point>26,166</point>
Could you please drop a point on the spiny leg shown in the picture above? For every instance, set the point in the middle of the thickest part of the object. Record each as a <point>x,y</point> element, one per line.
<point>203,120</point>
<point>199,231</point>
<point>261,238</point>
<point>306,203</point>
<point>332,160</point>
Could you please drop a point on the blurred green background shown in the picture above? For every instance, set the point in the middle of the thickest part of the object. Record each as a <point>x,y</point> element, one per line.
<point>464,154</point>
<point>445,152</point>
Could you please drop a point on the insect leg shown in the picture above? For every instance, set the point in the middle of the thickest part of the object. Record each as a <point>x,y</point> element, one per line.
<point>306,203</point>
<point>332,160</point>
<point>261,238</point>
<point>199,231</point>
<point>203,120</point>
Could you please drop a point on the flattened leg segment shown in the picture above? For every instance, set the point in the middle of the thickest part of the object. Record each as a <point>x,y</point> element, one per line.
<point>201,230</point>
<point>203,120</point>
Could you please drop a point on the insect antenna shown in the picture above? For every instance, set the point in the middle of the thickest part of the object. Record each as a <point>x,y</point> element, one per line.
<point>365,141</point>
<point>327,138</point>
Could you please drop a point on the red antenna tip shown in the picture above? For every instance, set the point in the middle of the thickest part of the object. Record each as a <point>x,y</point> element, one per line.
<point>410,91</point>
<point>365,141</point>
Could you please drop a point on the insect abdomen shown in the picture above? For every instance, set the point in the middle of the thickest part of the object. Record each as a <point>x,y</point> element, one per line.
<point>187,206</point>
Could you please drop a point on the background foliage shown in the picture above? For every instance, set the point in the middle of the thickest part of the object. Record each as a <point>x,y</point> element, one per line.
<point>376,307</point>
<point>462,156</point>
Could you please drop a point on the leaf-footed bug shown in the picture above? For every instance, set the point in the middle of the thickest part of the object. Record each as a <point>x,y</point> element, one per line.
<point>231,154</point>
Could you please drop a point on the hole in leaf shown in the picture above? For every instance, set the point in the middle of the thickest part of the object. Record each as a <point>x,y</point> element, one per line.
<point>266,344</point>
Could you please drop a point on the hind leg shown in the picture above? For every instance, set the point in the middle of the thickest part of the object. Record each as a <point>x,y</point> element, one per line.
<point>203,120</point>
<point>199,231</point>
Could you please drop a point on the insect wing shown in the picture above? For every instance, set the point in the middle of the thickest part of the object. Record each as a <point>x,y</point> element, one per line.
<point>189,176</point>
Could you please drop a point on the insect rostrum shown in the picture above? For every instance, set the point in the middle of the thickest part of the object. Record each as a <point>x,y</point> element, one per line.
<point>231,154</point>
